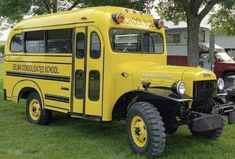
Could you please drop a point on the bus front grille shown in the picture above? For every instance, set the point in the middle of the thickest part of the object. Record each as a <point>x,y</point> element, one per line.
<point>204,89</point>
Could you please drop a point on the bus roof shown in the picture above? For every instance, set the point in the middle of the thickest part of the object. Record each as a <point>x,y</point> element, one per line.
<point>84,15</point>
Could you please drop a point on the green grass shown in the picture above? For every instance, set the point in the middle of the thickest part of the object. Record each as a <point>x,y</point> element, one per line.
<point>67,138</point>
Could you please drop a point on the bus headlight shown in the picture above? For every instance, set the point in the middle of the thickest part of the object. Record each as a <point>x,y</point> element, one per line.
<point>179,88</point>
<point>220,84</point>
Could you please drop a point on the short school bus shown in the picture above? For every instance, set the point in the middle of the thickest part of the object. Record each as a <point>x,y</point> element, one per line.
<point>109,63</point>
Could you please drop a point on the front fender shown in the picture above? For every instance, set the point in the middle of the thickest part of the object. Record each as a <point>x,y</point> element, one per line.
<point>165,94</point>
<point>151,94</point>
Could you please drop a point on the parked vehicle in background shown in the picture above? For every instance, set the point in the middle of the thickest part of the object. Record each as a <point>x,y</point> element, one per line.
<point>1,52</point>
<point>1,55</point>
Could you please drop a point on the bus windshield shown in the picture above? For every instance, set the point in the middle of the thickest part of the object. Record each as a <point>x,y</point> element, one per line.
<point>136,41</point>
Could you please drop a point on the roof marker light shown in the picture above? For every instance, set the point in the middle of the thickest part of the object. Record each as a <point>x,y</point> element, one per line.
<point>118,17</point>
<point>159,23</point>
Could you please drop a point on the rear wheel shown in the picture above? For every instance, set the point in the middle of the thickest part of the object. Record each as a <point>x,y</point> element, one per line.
<point>146,131</point>
<point>34,111</point>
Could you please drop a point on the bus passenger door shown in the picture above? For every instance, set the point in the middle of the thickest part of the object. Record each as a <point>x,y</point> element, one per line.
<point>88,72</point>
<point>94,71</point>
<point>79,72</point>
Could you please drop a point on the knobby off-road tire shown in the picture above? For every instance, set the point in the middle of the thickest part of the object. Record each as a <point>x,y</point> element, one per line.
<point>212,134</point>
<point>34,111</point>
<point>146,130</point>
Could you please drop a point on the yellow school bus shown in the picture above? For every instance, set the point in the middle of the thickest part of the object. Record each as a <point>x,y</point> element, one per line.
<point>110,63</point>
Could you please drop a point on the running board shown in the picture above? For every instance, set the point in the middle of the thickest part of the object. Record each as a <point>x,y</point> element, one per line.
<point>88,117</point>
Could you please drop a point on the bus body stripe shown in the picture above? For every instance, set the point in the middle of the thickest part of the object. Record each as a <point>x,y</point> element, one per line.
<point>39,76</point>
<point>57,98</point>
<point>56,107</point>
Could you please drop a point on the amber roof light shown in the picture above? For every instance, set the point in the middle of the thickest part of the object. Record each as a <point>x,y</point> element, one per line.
<point>159,23</point>
<point>118,17</point>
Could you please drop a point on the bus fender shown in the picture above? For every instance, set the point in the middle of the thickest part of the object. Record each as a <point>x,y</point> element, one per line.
<point>127,99</point>
<point>25,85</point>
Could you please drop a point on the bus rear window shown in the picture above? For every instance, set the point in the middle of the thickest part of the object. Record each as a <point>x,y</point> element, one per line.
<point>17,43</point>
<point>136,41</point>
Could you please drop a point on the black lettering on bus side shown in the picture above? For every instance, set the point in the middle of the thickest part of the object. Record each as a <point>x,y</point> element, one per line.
<point>16,67</point>
<point>51,69</point>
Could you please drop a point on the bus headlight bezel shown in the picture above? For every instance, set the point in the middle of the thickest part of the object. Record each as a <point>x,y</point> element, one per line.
<point>220,84</point>
<point>179,88</point>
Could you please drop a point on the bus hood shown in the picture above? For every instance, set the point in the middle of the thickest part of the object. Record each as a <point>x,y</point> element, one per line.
<point>166,76</point>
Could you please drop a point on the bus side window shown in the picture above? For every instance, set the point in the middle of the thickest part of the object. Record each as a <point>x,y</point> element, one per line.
<point>59,41</point>
<point>17,43</point>
<point>81,43</point>
<point>95,49</point>
<point>79,84</point>
<point>35,42</point>
<point>94,85</point>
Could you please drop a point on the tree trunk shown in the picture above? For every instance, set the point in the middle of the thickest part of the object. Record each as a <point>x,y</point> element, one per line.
<point>55,6</point>
<point>193,41</point>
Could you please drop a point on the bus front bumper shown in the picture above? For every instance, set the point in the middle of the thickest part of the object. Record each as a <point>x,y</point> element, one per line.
<point>206,122</point>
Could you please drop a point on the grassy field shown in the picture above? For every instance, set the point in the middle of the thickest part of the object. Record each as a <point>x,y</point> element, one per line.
<point>80,139</point>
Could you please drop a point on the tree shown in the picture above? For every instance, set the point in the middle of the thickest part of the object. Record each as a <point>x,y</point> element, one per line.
<point>191,11</point>
<point>15,10</point>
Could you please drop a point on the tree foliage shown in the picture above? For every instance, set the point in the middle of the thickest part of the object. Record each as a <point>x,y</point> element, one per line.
<point>223,21</point>
<point>14,9</point>
<point>171,10</point>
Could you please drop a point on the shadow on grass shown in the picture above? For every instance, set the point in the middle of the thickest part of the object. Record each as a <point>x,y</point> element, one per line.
<point>182,142</point>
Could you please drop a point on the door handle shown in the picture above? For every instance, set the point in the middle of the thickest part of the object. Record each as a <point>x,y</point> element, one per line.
<point>65,88</point>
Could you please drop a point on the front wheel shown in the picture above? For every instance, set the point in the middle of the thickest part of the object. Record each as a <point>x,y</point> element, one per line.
<point>34,111</point>
<point>146,130</point>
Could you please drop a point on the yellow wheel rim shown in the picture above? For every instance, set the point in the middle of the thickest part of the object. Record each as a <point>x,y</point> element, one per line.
<point>139,131</point>
<point>34,109</point>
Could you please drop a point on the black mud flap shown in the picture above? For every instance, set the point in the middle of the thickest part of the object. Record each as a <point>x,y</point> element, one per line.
<point>206,122</point>
<point>4,94</point>
<point>231,117</point>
